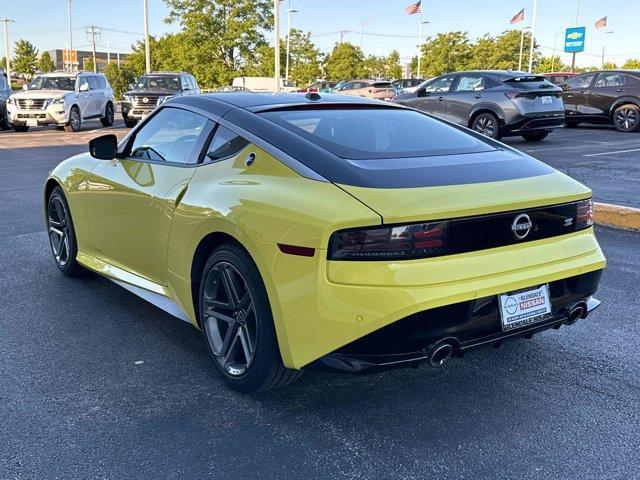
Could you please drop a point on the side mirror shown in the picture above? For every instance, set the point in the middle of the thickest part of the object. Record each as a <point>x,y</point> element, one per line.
<point>25,87</point>
<point>84,87</point>
<point>104,147</point>
<point>422,92</point>
<point>131,86</point>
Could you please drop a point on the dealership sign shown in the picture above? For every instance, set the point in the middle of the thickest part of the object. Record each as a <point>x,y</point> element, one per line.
<point>574,40</point>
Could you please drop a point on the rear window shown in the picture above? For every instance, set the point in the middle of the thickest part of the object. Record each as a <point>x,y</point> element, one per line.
<point>533,82</point>
<point>382,85</point>
<point>373,133</point>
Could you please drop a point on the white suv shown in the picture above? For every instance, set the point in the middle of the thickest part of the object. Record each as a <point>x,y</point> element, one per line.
<point>64,99</point>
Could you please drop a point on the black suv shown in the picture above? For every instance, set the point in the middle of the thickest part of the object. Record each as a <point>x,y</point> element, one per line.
<point>611,96</point>
<point>496,103</point>
<point>152,90</point>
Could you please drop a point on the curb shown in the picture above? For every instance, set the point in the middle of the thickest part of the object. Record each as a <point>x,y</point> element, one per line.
<point>617,216</point>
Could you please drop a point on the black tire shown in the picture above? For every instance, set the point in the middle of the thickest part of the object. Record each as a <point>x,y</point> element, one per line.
<point>107,120</point>
<point>20,128</point>
<point>536,136</point>
<point>626,118</point>
<point>4,124</point>
<point>238,325</point>
<point>487,124</point>
<point>75,121</point>
<point>62,235</point>
<point>130,123</point>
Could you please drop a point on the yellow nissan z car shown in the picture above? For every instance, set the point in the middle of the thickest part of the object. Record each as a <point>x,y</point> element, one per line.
<point>326,232</point>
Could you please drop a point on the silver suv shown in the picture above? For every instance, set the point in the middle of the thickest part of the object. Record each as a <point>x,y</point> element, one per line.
<point>64,99</point>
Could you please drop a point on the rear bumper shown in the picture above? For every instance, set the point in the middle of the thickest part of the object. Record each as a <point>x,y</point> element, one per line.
<point>531,123</point>
<point>464,326</point>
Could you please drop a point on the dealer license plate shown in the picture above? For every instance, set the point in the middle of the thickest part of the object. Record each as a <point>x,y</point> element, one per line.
<point>32,122</point>
<point>546,100</point>
<point>525,307</point>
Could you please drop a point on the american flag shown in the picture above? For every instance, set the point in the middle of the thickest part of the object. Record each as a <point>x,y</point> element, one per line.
<point>414,8</point>
<point>518,17</point>
<point>601,23</point>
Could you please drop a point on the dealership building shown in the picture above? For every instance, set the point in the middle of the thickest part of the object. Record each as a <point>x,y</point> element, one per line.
<point>79,58</point>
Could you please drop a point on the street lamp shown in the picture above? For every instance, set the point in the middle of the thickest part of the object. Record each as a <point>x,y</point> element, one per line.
<point>422,22</point>
<point>604,44</point>
<point>6,47</point>
<point>553,56</point>
<point>286,68</point>
<point>362,24</point>
<point>276,43</point>
<point>147,51</point>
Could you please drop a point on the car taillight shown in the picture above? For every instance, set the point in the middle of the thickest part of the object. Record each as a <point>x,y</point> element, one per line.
<point>402,242</point>
<point>512,95</point>
<point>584,214</point>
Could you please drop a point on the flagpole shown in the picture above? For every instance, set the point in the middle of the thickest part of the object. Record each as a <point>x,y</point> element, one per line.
<point>533,34</point>
<point>419,41</point>
<point>521,47</point>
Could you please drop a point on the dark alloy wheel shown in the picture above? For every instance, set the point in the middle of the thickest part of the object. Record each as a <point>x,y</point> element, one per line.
<point>626,118</point>
<point>536,136</point>
<point>62,237</point>
<point>75,121</point>
<point>237,323</point>
<point>107,120</point>
<point>487,124</point>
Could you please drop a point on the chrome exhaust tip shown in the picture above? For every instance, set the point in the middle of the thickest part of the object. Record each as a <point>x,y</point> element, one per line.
<point>577,312</point>
<point>440,354</point>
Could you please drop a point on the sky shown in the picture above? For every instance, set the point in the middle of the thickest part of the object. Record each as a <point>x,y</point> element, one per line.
<point>388,27</point>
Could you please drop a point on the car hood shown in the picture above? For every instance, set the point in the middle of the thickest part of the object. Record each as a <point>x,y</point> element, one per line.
<point>457,198</point>
<point>41,94</point>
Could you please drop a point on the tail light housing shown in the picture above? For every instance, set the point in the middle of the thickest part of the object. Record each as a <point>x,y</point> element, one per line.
<point>396,242</point>
<point>584,214</point>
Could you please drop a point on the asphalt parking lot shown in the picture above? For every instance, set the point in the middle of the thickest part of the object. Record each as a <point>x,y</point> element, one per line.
<point>96,383</point>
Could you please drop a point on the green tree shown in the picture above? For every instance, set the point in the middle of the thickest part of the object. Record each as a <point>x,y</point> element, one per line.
<point>45,63</point>
<point>393,69</point>
<point>345,62</point>
<point>374,67</point>
<point>502,52</point>
<point>550,64</point>
<point>119,78</point>
<point>217,37</point>
<point>25,58</point>
<point>304,59</point>
<point>609,66</point>
<point>632,64</point>
<point>88,64</point>
<point>447,52</point>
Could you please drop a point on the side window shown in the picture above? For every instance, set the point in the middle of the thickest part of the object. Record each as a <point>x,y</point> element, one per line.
<point>581,81</point>
<point>3,85</point>
<point>170,135</point>
<point>610,80</point>
<point>347,86</point>
<point>102,82</point>
<point>441,84</point>
<point>470,83</point>
<point>83,84</point>
<point>225,144</point>
<point>93,83</point>
<point>194,83</point>
<point>629,80</point>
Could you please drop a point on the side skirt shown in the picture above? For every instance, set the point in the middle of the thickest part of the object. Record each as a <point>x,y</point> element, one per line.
<point>147,290</point>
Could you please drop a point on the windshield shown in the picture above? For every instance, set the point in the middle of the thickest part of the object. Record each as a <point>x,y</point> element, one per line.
<point>53,83</point>
<point>166,82</point>
<point>371,133</point>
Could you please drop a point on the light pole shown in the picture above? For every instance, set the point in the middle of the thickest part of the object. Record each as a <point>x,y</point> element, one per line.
<point>521,47</point>
<point>533,34</point>
<point>147,51</point>
<point>286,68</point>
<point>69,57</point>
<point>604,44</point>
<point>422,22</point>
<point>6,47</point>
<point>276,43</point>
<point>573,55</point>
<point>362,24</point>
<point>553,56</point>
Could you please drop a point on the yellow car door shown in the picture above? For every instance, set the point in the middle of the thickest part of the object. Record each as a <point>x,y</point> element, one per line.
<point>131,199</point>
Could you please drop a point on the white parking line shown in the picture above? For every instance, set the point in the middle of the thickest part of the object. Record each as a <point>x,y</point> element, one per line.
<point>611,153</point>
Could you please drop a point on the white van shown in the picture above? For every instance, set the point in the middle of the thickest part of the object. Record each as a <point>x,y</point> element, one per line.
<point>262,84</point>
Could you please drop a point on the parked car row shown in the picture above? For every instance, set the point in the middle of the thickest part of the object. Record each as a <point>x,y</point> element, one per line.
<point>496,103</point>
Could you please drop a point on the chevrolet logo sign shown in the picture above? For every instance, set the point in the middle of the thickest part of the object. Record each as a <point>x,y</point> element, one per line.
<point>574,35</point>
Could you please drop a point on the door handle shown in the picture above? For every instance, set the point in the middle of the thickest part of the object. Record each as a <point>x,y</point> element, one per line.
<point>440,99</point>
<point>477,96</point>
<point>180,195</point>
<point>620,90</point>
